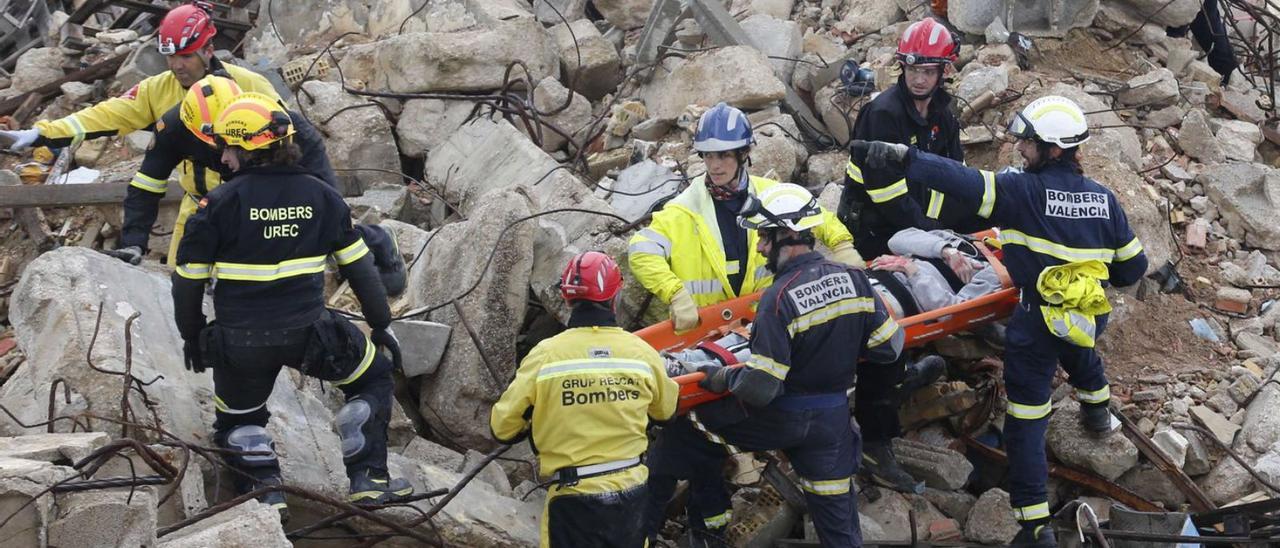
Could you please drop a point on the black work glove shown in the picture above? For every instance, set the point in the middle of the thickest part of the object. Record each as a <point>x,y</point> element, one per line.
<point>878,154</point>
<point>383,338</point>
<point>131,254</point>
<point>191,356</point>
<point>717,378</point>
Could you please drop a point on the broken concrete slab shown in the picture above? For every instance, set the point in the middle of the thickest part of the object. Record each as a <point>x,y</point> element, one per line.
<point>250,523</point>
<point>775,38</point>
<point>1239,139</point>
<point>492,473</point>
<point>1152,484</point>
<point>978,79</point>
<point>1196,138</point>
<point>105,518</point>
<point>53,310</point>
<point>478,516</point>
<point>422,345</point>
<point>940,468</point>
<point>456,399</point>
<point>1116,140</point>
<point>624,14</point>
<point>306,443</point>
<point>549,95</point>
<point>484,155</point>
<point>1247,196</point>
<point>429,452</point>
<point>868,16</point>
<point>190,498</point>
<point>745,79</point>
<point>59,448</point>
<point>1157,88</point>
<point>356,136</point>
<point>472,60</point>
<point>1032,18</point>
<point>555,12</point>
<point>37,67</point>
<point>1223,429</point>
<point>639,186</point>
<point>1173,445</point>
<point>954,504</point>
<point>1243,105</point>
<point>20,481</point>
<point>1108,457</point>
<point>1227,482</point>
<point>600,67</point>
<point>891,513</point>
<point>385,201</point>
<point>425,123</point>
<point>1163,13</point>
<point>991,519</point>
<point>775,155</point>
<point>1262,419</point>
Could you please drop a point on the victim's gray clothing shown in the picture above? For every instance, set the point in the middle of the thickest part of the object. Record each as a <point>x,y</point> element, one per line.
<point>928,286</point>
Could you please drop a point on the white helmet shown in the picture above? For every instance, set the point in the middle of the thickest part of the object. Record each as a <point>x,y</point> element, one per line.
<point>783,205</point>
<point>1051,119</point>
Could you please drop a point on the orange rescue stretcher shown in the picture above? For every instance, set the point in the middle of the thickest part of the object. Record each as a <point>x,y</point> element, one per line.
<point>734,315</point>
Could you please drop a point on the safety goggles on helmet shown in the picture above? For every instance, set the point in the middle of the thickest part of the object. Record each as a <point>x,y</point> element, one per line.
<point>185,29</point>
<point>755,216</point>
<point>1022,128</point>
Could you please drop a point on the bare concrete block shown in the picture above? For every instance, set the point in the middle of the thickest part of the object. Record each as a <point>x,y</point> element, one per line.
<point>20,481</point>
<point>249,524</point>
<point>939,468</point>
<point>56,448</point>
<point>105,518</point>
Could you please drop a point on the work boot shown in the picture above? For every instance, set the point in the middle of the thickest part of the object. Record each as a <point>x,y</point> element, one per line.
<point>879,461</point>
<point>923,372</point>
<point>1034,536</point>
<point>393,276</point>
<point>371,486</point>
<point>1097,419</point>
<point>256,478</point>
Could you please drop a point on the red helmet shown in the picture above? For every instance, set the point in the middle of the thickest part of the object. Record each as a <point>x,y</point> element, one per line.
<point>185,29</point>
<point>590,276</point>
<point>928,42</point>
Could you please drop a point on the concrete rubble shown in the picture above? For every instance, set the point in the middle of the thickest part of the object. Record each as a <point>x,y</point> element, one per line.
<point>460,94</point>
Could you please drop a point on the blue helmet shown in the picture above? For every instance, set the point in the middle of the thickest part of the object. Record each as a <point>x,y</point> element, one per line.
<point>723,128</point>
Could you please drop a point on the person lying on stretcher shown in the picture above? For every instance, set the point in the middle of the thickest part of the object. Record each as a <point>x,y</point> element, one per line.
<point>931,270</point>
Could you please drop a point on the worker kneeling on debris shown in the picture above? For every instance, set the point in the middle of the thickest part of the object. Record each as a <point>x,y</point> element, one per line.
<point>269,301</point>
<point>1059,245</point>
<point>588,395</point>
<point>812,327</point>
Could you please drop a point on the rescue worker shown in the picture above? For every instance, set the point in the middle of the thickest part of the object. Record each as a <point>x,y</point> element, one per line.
<point>588,395</point>
<point>811,329</point>
<point>694,254</point>
<point>185,38</point>
<point>879,202</point>
<point>184,134</point>
<point>264,236</point>
<point>1053,220</point>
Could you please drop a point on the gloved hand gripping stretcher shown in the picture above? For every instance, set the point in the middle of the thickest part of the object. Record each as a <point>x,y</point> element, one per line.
<point>722,334</point>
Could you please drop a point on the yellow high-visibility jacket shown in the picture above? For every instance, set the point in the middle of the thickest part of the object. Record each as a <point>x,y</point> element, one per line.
<point>588,394</point>
<point>139,108</point>
<point>682,247</point>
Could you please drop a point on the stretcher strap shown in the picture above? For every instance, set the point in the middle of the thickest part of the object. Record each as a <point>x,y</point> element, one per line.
<point>1001,272</point>
<point>726,357</point>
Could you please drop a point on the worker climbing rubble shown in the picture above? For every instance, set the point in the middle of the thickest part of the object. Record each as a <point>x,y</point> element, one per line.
<point>1064,234</point>
<point>266,234</point>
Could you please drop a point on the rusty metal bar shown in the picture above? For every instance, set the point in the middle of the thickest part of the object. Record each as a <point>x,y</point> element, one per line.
<point>1199,500</point>
<point>1079,477</point>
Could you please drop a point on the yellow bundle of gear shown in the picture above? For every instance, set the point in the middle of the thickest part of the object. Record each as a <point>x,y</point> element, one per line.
<point>1074,295</point>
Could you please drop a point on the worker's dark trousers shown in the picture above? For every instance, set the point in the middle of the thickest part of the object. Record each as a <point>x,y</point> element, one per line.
<point>680,453</point>
<point>876,400</point>
<point>1032,355</point>
<point>1211,34</point>
<point>603,520</point>
<point>245,378</point>
<point>816,436</point>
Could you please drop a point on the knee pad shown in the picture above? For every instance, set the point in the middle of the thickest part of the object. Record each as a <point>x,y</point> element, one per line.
<point>352,420</point>
<point>251,437</point>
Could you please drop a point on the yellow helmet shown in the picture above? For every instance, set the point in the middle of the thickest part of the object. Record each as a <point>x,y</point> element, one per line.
<point>253,121</point>
<point>204,102</point>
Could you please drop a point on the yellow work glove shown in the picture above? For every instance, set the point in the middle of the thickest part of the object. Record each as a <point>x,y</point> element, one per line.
<point>684,313</point>
<point>845,253</point>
